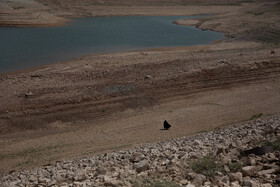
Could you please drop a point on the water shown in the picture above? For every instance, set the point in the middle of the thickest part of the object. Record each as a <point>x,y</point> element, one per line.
<point>28,47</point>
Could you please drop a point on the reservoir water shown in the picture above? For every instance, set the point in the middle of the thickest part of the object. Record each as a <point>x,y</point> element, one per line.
<point>28,47</point>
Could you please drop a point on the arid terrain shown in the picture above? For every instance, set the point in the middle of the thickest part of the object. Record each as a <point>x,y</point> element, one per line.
<point>107,102</point>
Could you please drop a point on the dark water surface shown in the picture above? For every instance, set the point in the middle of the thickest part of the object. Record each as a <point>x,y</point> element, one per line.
<point>28,47</point>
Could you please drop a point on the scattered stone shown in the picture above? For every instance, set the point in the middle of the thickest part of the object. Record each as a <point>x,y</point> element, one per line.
<point>28,94</point>
<point>137,157</point>
<point>199,179</point>
<point>235,177</point>
<point>79,175</point>
<point>226,168</point>
<point>268,171</point>
<point>234,184</point>
<point>108,181</point>
<point>100,171</point>
<point>32,178</point>
<point>171,160</point>
<point>207,183</point>
<point>267,185</point>
<point>148,76</point>
<point>190,185</point>
<point>249,183</point>
<point>142,166</point>
<point>221,150</point>
<point>184,181</point>
<point>197,143</point>
<point>249,170</point>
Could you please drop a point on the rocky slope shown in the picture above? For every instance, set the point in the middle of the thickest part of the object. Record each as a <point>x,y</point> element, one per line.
<point>214,158</point>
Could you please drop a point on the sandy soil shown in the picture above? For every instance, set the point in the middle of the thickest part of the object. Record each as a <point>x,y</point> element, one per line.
<point>102,103</point>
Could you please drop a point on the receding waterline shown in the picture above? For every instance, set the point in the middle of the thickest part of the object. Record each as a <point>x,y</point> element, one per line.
<point>28,47</point>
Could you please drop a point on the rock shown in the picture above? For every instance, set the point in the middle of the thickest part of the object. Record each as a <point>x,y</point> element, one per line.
<point>272,52</point>
<point>267,185</point>
<point>226,160</point>
<point>232,145</point>
<point>137,157</point>
<point>249,170</point>
<point>234,184</point>
<point>184,181</point>
<point>190,185</point>
<point>108,181</point>
<point>233,153</point>
<point>148,76</point>
<point>43,180</point>
<point>142,166</point>
<point>191,175</point>
<point>235,176</point>
<point>78,184</point>
<point>15,183</point>
<point>197,143</point>
<point>249,183</point>
<point>207,183</point>
<point>142,53</point>
<point>127,184</point>
<point>32,178</point>
<point>193,156</point>
<point>199,179</point>
<point>51,183</point>
<point>225,179</point>
<point>100,171</point>
<point>268,171</point>
<point>169,160</point>
<point>252,161</point>
<point>271,156</point>
<point>226,168</point>
<point>28,94</point>
<point>79,175</point>
<point>221,150</point>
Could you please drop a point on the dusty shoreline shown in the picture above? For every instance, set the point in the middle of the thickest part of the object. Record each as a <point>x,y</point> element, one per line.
<point>100,103</point>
